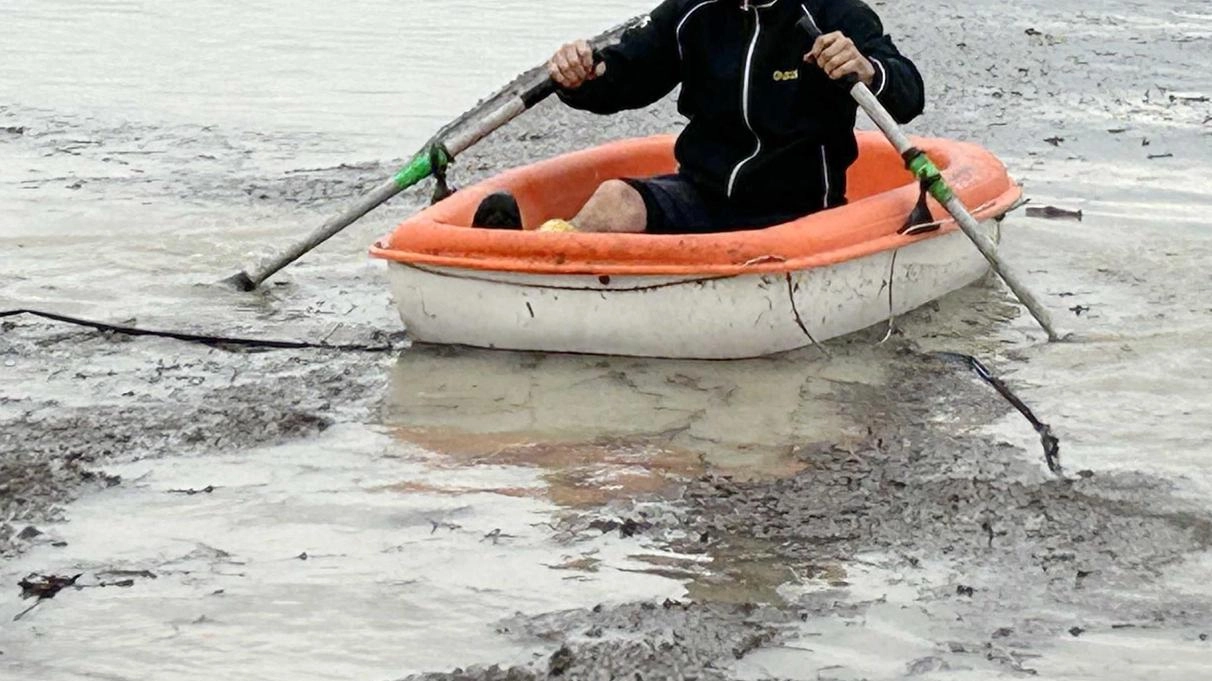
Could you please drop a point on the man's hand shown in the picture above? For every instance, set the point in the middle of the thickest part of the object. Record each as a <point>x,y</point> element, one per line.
<point>837,56</point>
<point>572,65</point>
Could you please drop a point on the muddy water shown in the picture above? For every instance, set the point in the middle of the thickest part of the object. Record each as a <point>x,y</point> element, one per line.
<point>146,151</point>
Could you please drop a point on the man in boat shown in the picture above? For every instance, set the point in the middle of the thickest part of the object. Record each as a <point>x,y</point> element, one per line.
<point>769,136</point>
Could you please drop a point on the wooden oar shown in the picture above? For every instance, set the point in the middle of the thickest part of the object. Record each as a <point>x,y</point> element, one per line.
<point>925,170</point>
<point>433,158</point>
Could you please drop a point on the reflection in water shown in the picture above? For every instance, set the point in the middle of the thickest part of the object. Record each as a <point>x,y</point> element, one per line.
<point>604,428</point>
<point>601,426</point>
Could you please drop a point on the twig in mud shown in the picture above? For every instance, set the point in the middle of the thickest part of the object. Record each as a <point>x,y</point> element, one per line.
<point>1153,157</point>
<point>191,492</point>
<point>1054,213</point>
<point>496,535</point>
<point>443,525</point>
<point>145,574</point>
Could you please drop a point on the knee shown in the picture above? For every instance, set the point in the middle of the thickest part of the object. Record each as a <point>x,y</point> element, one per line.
<point>614,207</point>
<point>616,193</point>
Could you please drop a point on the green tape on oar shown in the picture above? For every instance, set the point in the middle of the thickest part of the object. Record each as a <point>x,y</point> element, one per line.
<point>924,169</point>
<point>417,169</point>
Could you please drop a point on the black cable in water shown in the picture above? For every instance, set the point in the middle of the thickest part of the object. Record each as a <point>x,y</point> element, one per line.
<point>221,342</point>
<point>1050,442</point>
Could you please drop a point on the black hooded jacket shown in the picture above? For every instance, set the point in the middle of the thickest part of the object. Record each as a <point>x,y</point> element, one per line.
<point>765,129</point>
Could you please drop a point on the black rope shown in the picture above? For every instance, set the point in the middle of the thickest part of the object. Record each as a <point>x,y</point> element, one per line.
<point>1050,442</point>
<point>221,342</point>
<point>798,319</point>
<point>439,161</point>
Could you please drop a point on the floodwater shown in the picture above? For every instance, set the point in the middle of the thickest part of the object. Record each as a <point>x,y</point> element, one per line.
<point>375,516</point>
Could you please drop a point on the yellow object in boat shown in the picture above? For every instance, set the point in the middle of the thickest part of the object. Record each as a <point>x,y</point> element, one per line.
<point>557,225</point>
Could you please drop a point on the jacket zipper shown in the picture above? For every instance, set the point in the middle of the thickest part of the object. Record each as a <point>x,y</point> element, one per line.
<point>757,30</point>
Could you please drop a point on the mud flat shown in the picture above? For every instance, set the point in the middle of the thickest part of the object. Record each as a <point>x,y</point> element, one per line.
<point>450,514</point>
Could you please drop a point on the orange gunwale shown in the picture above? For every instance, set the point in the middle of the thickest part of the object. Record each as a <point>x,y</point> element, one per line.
<point>881,194</point>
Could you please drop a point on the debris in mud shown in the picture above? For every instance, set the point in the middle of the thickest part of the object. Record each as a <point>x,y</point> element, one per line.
<point>1079,310</point>
<point>1190,99</point>
<point>561,660</point>
<point>962,590</point>
<point>142,574</point>
<point>1076,631</point>
<point>1153,157</point>
<point>45,586</point>
<point>29,533</point>
<point>496,536</point>
<point>627,527</point>
<point>436,525</point>
<point>192,492</point>
<point>1055,141</point>
<point>14,129</point>
<point>122,583</point>
<point>1053,213</point>
<point>42,587</point>
<point>751,643</point>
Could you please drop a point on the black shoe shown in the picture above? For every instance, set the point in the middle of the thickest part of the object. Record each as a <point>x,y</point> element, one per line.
<point>498,210</point>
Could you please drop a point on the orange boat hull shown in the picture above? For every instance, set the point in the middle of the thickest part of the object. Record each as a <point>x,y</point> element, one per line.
<point>734,294</point>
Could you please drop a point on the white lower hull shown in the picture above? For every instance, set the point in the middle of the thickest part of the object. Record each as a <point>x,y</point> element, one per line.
<point>684,317</point>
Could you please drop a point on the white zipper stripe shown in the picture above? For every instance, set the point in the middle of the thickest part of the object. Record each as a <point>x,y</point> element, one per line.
<point>811,18</point>
<point>825,176</point>
<point>677,32</point>
<point>757,30</point>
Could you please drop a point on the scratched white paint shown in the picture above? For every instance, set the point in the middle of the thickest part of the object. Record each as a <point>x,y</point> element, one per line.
<point>678,317</point>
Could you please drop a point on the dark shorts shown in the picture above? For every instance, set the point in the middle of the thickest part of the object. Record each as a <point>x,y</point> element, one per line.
<point>677,205</point>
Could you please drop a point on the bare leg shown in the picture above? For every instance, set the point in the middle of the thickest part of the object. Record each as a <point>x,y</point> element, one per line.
<point>614,207</point>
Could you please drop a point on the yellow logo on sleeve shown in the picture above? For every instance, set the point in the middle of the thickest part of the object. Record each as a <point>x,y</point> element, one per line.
<point>793,74</point>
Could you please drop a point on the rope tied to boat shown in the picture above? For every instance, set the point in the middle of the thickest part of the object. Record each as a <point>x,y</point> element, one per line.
<point>439,160</point>
<point>228,343</point>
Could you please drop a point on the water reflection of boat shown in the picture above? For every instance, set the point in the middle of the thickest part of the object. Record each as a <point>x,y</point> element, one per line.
<point>672,415</point>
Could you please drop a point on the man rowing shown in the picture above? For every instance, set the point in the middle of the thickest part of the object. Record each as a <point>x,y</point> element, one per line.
<point>770,135</point>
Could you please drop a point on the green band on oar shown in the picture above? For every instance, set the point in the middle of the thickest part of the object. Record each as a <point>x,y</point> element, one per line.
<point>417,169</point>
<point>925,170</point>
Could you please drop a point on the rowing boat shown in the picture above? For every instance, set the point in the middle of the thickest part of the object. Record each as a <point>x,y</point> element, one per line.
<point>711,296</point>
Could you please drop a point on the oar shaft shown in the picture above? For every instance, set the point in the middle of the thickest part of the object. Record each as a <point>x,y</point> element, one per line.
<point>253,276</point>
<point>868,101</point>
<point>511,109</point>
<point>418,169</point>
<point>928,173</point>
